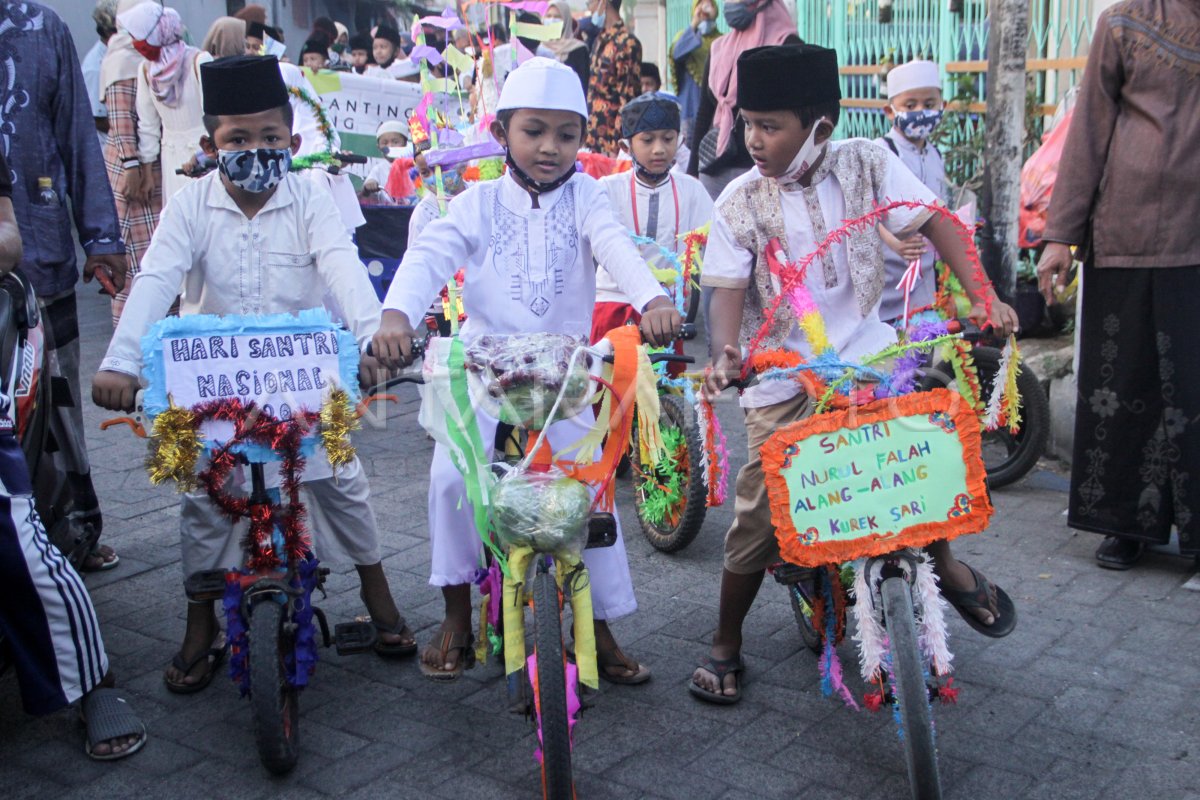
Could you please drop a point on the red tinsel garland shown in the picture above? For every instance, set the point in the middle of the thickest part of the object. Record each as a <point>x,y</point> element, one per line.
<point>792,274</point>
<point>252,427</point>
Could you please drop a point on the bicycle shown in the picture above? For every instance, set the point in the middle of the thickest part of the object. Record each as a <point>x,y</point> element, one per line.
<point>271,621</point>
<point>540,514</point>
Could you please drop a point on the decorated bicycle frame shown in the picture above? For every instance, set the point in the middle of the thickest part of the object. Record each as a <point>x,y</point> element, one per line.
<point>272,390</point>
<point>542,505</point>
<point>879,468</point>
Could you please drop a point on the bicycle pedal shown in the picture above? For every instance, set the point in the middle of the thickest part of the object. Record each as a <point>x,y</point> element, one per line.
<point>352,638</point>
<point>602,530</point>
<point>789,574</point>
<point>206,585</point>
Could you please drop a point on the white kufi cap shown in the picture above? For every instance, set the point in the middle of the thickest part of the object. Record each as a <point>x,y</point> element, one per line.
<point>913,75</point>
<point>543,83</point>
<point>392,126</point>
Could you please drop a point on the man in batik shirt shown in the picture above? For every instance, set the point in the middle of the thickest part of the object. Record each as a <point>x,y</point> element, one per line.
<point>615,79</point>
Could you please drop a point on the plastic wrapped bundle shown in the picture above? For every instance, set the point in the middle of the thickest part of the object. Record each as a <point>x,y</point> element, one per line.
<point>544,510</point>
<point>517,379</point>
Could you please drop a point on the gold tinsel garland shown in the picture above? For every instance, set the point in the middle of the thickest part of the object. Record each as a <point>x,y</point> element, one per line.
<point>337,421</point>
<point>175,445</point>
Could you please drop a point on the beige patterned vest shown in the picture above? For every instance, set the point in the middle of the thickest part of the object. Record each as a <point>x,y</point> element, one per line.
<point>755,216</point>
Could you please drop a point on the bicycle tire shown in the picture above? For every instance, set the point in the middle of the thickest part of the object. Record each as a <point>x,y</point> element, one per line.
<point>1022,450</point>
<point>694,505</point>
<point>812,639</point>
<point>912,695</point>
<point>551,689</point>
<point>275,704</point>
<point>692,304</point>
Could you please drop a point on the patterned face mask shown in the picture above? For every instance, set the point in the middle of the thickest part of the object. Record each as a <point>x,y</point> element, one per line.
<point>257,170</point>
<point>919,124</point>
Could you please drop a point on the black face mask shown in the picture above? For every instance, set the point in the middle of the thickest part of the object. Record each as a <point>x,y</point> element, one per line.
<point>651,178</point>
<point>537,187</point>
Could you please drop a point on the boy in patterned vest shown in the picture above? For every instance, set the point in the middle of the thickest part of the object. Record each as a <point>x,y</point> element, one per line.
<point>801,187</point>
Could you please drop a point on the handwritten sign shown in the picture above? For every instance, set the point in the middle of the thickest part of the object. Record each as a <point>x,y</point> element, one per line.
<point>283,363</point>
<point>897,473</point>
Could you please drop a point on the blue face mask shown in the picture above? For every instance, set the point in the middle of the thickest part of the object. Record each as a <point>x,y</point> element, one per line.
<point>918,125</point>
<point>738,16</point>
<point>705,27</point>
<point>598,18</point>
<point>257,170</point>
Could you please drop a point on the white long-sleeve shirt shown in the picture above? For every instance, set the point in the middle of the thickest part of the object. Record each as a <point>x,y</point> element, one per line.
<point>664,212</point>
<point>528,269</point>
<point>283,260</point>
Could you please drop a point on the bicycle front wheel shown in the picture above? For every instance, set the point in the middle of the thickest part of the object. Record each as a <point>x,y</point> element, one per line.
<point>275,702</point>
<point>912,695</point>
<point>671,503</point>
<point>551,694</point>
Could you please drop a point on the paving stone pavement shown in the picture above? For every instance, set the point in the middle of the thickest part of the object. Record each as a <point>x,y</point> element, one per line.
<point>1093,696</point>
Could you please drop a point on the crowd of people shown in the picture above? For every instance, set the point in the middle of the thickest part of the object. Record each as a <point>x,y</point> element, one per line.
<point>733,148</point>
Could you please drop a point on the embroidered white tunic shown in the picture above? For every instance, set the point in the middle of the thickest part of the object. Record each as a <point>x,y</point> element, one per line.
<point>527,269</point>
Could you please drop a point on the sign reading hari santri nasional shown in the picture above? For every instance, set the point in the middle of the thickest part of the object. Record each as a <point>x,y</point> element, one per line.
<point>284,363</point>
<point>901,472</point>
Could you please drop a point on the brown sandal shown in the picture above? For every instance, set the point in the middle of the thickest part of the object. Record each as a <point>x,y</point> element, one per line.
<point>607,660</point>
<point>464,642</point>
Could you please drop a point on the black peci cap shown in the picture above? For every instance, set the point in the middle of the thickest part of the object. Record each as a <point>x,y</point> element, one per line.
<point>389,33</point>
<point>242,85</point>
<point>361,41</point>
<point>812,77</point>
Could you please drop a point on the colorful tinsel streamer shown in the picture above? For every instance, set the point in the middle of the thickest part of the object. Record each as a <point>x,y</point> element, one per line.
<point>715,454</point>
<point>792,275</point>
<point>323,123</point>
<point>1004,405</point>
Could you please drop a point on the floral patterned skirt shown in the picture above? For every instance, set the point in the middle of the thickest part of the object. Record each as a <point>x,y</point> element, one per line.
<point>1136,469</point>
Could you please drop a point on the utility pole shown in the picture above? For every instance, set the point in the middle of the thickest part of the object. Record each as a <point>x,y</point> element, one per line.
<point>1001,198</point>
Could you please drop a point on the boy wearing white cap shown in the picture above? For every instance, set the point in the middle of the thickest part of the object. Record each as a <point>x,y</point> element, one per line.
<point>527,240</point>
<point>392,138</point>
<point>915,108</point>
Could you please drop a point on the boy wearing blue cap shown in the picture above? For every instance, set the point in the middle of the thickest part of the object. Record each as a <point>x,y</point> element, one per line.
<point>650,200</point>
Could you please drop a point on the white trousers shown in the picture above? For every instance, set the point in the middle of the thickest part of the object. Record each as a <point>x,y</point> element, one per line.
<point>455,547</point>
<point>340,519</point>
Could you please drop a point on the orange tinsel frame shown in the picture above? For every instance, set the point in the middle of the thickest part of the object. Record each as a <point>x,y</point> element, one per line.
<point>920,403</point>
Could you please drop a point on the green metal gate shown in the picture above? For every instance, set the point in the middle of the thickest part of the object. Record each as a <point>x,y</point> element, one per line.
<point>871,35</point>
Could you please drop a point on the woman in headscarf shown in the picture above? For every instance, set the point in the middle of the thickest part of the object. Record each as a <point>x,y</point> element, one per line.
<point>689,54</point>
<point>136,186</point>
<point>226,37</point>
<point>568,48</point>
<point>170,106</point>
<point>718,147</point>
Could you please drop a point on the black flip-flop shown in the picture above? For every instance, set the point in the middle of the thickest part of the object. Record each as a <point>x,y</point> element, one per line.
<point>964,600</point>
<point>216,654</point>
<point>720,667</point>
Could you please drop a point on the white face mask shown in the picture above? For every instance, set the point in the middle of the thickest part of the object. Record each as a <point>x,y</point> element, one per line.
<point>808,154</point>
<point>400,152</point>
